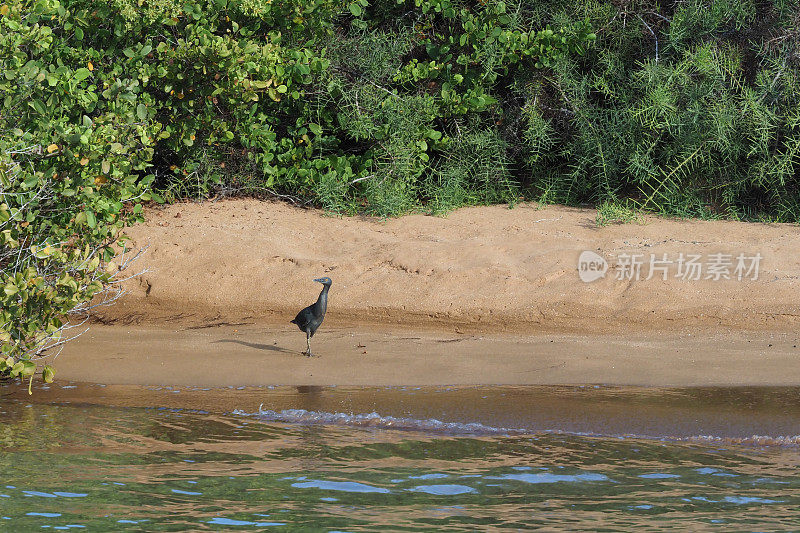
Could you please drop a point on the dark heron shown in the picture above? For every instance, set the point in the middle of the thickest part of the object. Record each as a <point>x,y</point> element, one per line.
<point>311,317</point>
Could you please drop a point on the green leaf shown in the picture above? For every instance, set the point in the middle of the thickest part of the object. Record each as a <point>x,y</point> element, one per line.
<point>141,111</point>
<point>48,374</point>
<point>28,368</point>
<point>355,9</point>
<point>91,221</point>
<point>81,74</point>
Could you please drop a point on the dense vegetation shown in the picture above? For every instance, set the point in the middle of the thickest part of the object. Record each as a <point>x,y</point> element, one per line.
<point>684,108</point>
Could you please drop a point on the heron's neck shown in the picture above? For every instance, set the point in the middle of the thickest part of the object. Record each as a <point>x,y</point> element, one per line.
<point>322,301</point>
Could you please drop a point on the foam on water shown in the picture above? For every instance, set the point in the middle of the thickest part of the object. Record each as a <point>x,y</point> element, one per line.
<point>432,425</point>
<point>374,420</point>
<point>753,440</point>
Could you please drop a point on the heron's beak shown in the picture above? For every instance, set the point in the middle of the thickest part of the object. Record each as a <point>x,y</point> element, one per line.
<point>320,280</point>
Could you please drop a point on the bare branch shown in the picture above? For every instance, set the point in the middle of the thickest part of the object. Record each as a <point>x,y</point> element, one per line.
<point>646,25</point>
<point>362,178</point>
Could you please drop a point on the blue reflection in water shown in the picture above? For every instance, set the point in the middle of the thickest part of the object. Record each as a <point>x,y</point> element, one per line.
<point>739,500</point>
<point>54,494</point>
<point>444,490</point>
<point>714,472</point>
<point>429,476</point>
<point>346,486</point>
<point>231,522</point>
<point>743,500</point>
<point>552,478</point>
<point>187,492</point>
<point>40,494</point>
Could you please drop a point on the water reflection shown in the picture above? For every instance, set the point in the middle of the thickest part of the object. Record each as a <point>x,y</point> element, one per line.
<point>102,468</point>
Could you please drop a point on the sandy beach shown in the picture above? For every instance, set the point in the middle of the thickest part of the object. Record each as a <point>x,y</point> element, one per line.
<point>487,295</point>
<point>258,355</point>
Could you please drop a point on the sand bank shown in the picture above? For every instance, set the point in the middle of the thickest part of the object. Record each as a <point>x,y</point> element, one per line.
<point>482,269</point>
<point>487,295</point>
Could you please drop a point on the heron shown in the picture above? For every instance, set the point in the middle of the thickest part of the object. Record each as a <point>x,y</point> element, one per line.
<point>310,318</point>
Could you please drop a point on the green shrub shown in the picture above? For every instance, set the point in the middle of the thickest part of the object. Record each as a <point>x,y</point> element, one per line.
<point>615,213</point>
<point>72,156</point>
<point>687,108</point>
<point>475,169</point>
<point>705,127</point>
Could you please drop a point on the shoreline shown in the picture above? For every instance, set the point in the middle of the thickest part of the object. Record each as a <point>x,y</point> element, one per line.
<point>252,355</point>
<point>756,416</point>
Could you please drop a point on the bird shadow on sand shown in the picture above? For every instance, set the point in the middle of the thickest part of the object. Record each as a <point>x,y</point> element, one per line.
<point>257,346</point>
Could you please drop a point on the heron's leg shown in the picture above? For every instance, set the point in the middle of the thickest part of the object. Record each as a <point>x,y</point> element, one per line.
<point>308,345</point>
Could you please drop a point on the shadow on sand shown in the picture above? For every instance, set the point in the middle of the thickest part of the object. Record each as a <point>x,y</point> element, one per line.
<point>258,346</point>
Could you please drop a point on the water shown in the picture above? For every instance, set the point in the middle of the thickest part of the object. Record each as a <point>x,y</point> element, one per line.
<point>75,466</point>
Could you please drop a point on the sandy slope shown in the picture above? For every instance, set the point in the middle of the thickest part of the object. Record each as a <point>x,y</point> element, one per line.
<point>482,269</point>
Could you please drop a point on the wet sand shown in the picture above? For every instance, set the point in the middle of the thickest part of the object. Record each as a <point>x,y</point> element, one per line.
<point>261,355</point>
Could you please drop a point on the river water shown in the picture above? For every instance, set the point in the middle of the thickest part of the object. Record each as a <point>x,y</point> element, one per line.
<point>87,457</point>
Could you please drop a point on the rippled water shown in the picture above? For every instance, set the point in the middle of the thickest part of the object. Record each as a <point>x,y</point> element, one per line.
<point>104,468</point>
